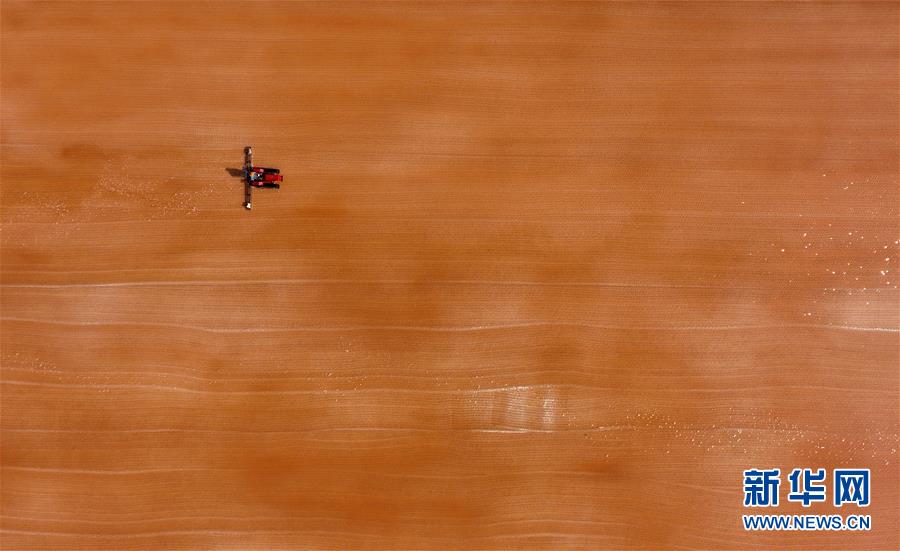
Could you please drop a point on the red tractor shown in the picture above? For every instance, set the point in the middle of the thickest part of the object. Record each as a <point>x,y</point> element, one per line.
<point>257,176</point>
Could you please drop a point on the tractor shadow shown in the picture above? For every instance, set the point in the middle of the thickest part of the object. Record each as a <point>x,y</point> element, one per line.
<point>239,173</point>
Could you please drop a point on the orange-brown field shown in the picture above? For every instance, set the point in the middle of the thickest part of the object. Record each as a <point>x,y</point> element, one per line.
<point>540,276</point>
